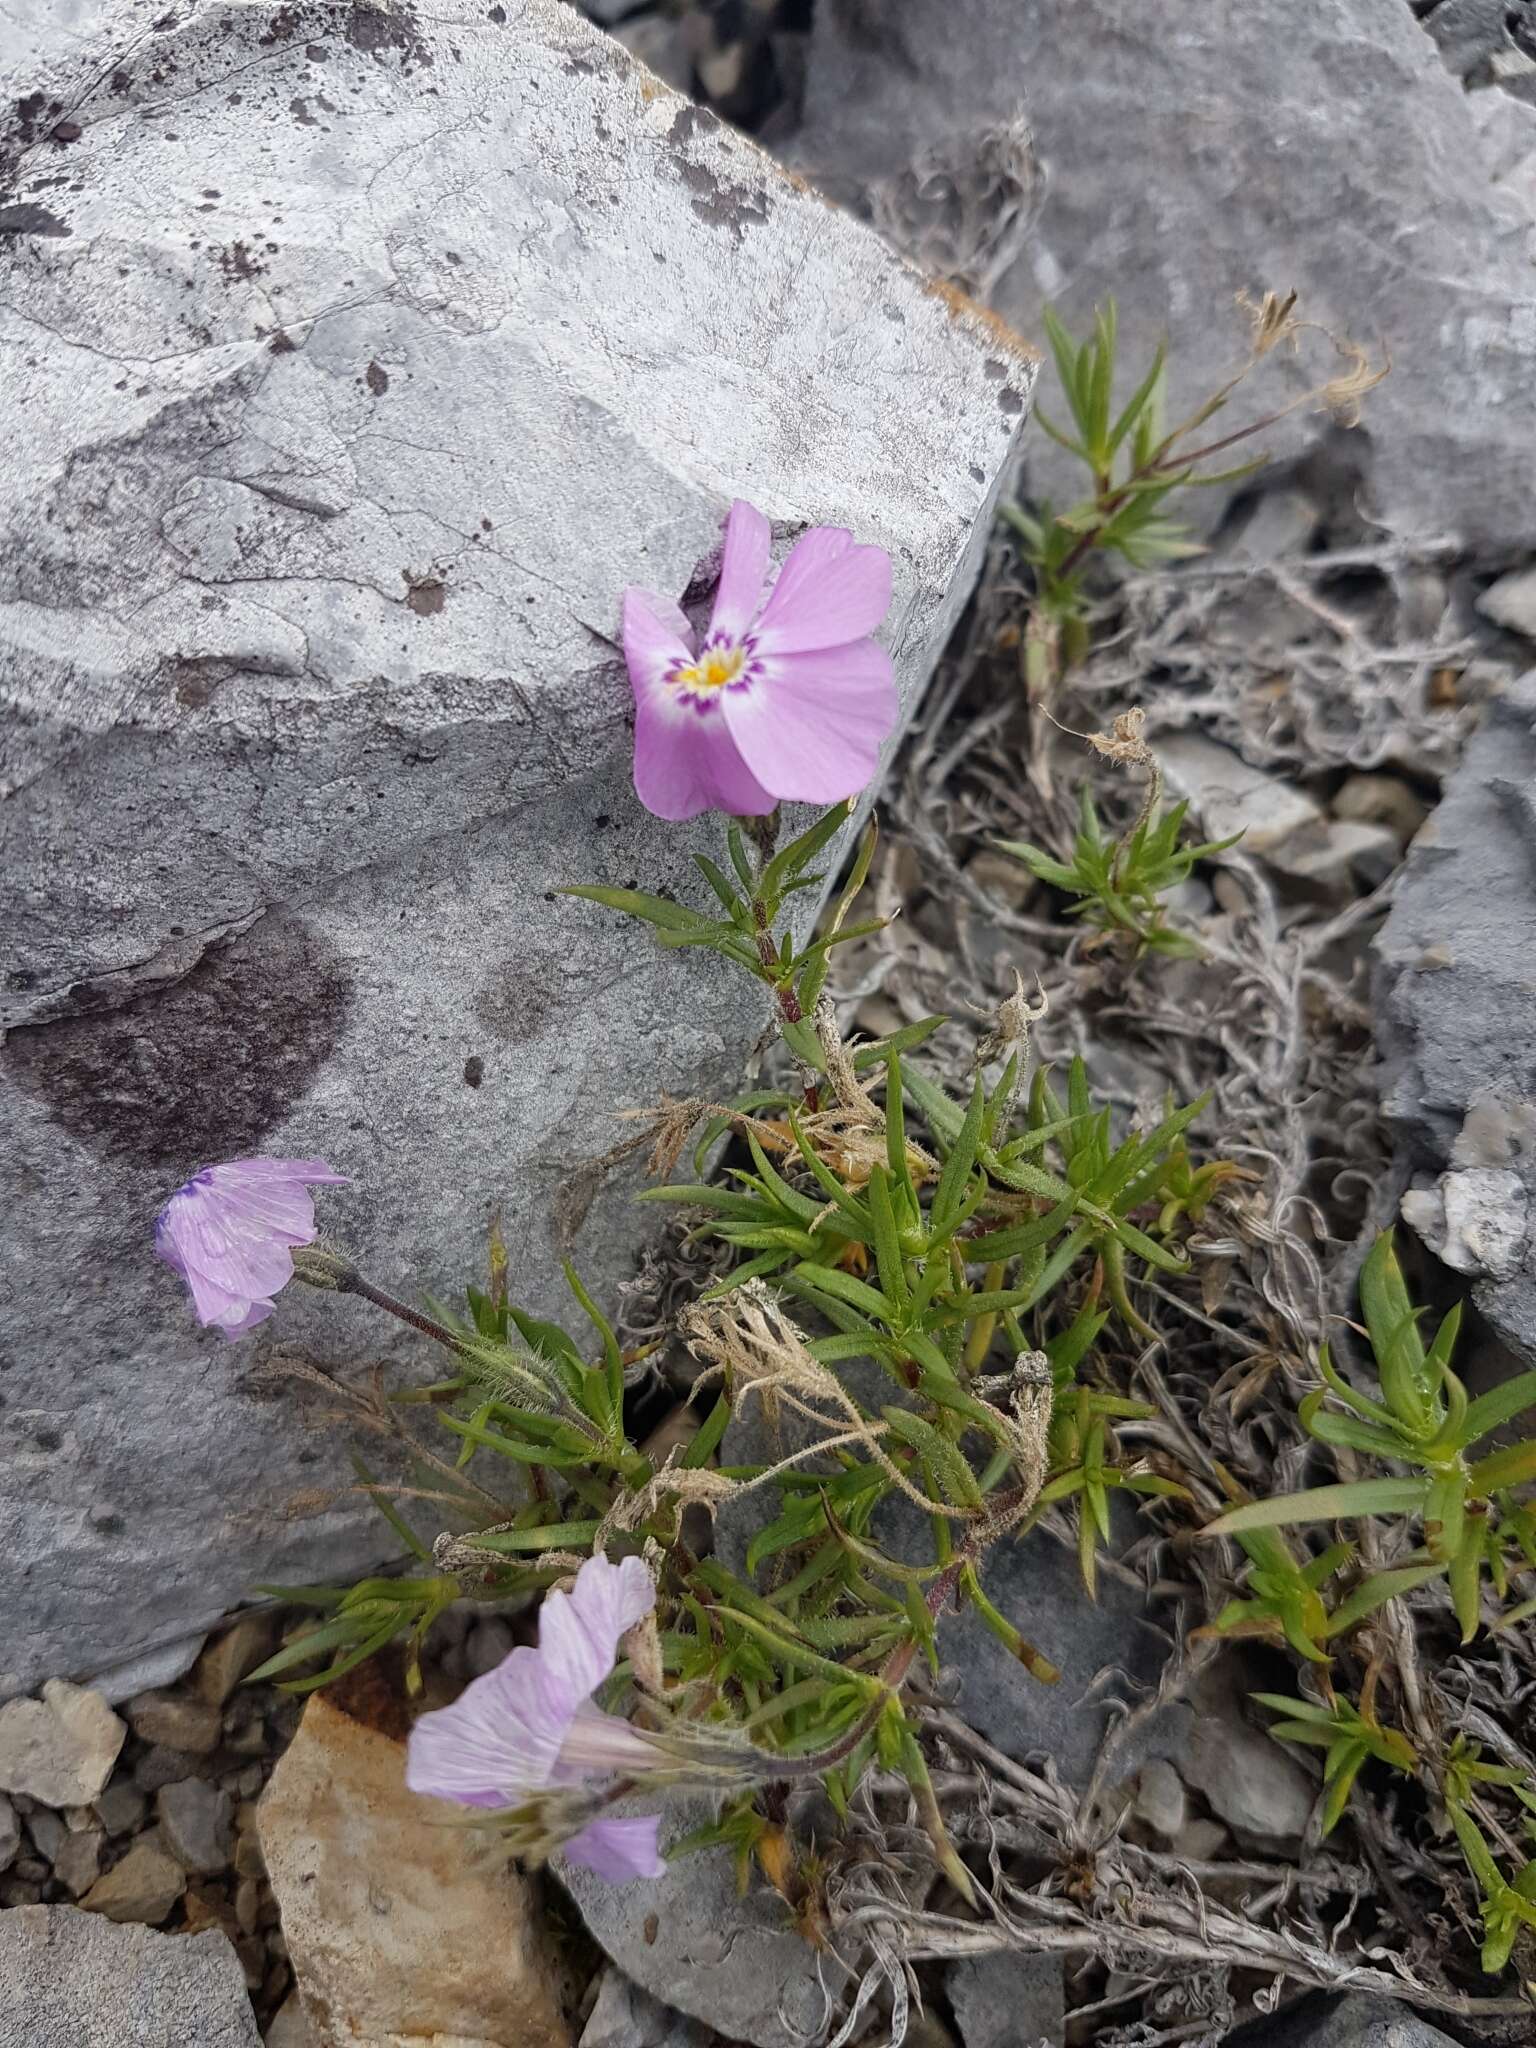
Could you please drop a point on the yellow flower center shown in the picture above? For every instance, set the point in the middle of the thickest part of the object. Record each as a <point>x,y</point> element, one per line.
<point>715,669</point>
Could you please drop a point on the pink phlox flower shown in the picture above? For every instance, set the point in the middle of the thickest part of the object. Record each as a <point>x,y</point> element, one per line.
<point>531,1725</point>
<point>786,698</point>
<point>230,1231</point>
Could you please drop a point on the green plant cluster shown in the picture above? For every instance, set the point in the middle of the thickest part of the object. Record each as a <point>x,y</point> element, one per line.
<point>935,1239</point>
<point>1119,885</point>
<point>1441,1512</point>
<point>924,1278</point>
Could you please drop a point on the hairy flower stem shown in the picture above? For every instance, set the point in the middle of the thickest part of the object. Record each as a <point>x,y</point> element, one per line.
<point>788,1001</point>
<point>355,1283</point>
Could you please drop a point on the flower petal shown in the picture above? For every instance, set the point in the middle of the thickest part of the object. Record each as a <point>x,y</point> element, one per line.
<point>655,635</point>
<point>812,726</point>
<point>617,1850</point>
<point>498,1741</point>
<point>743,567</point>
<point>687,762</point>
<point>598,1745</point>
<point>579,1631</point>
<point>828,593</point>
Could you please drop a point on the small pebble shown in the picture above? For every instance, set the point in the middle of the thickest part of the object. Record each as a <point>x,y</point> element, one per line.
<point>1161,1801</point>
<point>122,1807</point>
<point>78,1863</point>
<point>175,1722</point>
<point>144,1886</point>
<point>194,1819</point>
<point>248,1904</point>
<point>160,1766</point>
<point>47,1832</point>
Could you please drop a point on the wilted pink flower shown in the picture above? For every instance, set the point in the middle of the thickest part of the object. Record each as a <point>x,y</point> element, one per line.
<point>530,1726</point>
<point>229,1233</point>
<point>785,699</point>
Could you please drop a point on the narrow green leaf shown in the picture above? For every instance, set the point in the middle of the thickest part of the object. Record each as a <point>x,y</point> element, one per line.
<point>1322,1504</point>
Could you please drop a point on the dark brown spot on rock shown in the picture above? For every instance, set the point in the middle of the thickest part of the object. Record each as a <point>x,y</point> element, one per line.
<point>474,1070</point>
<point>498,15</point>
<point>202,1069</point>
<point>737,207</point>
<point>426,595</point>
<point>519,998</point>
<point>1011,401</point>
<point>377,379</point>
<point>689,121</point>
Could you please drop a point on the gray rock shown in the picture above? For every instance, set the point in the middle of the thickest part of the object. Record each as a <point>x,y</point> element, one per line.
<point>194,1821</point>
<point>1161,1802</point>
<point>1248,1779</point>
<point>144,1674</point>
<point>59,1749</point>
<point>1228,795</point>
<point>144,1886</point>
<point>1358,2020</point>
<point>627,2017</point>
<point>47,1831</point>
<point>78,1862</point>
<point>1479,43</point>
<point>10,1833</point>
<point>176,1722</point>
<point>1473,1220</point>
<point>1338,858</point>
<point>1008,2000</point>
<point>161,1766</point>
<point>235,1653</point>
<point>1454,1018</point>
<point>122,1807</point>
<point>1037,1584</point>
<point>321,492</point>
<point>73,1980</point>
<point>1294,120</point>
<point>691,1940</point>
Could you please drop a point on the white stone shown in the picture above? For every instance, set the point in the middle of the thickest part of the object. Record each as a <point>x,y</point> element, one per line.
<point>1161,1800</point>
<point>59,1749</point>
<point>1473,1218</point>
<point>1254,1785</point>
<point>1511,602</point>
<point>1229,796</point>
<point>357,358</point>
<point>400,1923</point>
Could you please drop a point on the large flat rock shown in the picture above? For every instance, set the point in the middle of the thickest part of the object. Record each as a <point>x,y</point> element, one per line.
<point>355,358</point>
<point>1184,155</point>
<point>1455,1022</point>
